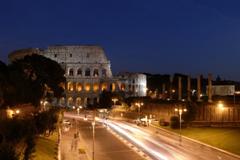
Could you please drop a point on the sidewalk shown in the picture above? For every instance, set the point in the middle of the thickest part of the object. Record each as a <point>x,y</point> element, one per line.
<point>71,146</point>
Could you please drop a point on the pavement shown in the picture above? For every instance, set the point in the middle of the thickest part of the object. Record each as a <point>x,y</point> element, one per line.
<point>106,147</point>
<point>71,143</point>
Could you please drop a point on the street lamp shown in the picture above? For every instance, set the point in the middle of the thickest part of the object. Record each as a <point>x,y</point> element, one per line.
<point>93,136</point>
<point>139,104</point>
<point>17,111</point>
<point>180,111</point>
<point>221,108</point>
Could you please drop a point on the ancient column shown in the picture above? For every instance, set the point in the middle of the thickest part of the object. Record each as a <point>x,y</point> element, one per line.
<point>179,88</point>
<point>189,89</point>
<point>210,88</point>
<point>199,88</point>
<point>170,88</point>
<point>163,88</point>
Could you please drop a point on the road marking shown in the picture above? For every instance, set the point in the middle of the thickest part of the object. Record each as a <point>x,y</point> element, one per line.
<point>130,145</point>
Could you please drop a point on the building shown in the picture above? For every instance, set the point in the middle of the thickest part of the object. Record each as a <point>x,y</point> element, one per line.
<point>88,73</point>
<point>223,90</point>
<point>133,84</point>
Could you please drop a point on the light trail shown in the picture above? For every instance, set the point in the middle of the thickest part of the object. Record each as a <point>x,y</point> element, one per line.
<point>147,142</point>
<point>138,142</point>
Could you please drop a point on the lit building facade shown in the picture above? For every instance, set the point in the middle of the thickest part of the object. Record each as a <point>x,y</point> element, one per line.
<point>88,73</point>
<point>133,84</point>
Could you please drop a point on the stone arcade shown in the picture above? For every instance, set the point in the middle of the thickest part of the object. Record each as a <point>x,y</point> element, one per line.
<point>88,73</point>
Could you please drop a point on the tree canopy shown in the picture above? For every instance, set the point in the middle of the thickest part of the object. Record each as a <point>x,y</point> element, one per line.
<point>28,80</point>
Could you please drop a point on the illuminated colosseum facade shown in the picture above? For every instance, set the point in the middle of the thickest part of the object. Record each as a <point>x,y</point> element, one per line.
<point>88,73</point>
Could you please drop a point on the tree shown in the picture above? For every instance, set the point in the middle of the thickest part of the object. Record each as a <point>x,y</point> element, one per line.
<point>105,99</point>
<point>191,112</point>
<point>32,78</point>
<point>7,152</point>
<point>4,85</point>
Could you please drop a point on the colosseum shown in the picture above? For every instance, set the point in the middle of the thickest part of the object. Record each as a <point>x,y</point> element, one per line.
<point>88,73</point>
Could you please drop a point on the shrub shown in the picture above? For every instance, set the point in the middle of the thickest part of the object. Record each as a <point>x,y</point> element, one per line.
<point>174,122</point>
<point>162,122</point>
<point>7,152</point>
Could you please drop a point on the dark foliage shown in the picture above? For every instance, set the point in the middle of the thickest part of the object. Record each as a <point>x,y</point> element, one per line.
<point>14,131</point>
<point>191,112</point>
<point>7,152</point>
<point>174,122</point>
<point>46,121</point>
<point>30,79</point>
<point>105,99</point>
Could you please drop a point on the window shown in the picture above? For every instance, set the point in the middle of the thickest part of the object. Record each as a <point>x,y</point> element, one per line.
<point>87,55</point>
<point>79,72</point>
<point>95,73</point>
<point>55,55</point>
<point>70,55</point>
<point>104,72</point>
<point>71,72</point>
<point>87,72</point>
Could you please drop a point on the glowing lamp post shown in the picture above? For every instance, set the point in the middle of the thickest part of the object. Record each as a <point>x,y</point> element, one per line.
<point>93,136</point>
<point>180,111</point>
<point>139,104</point>
<point>221,106</point>
<point>17,111</point>
<point>221,109</point>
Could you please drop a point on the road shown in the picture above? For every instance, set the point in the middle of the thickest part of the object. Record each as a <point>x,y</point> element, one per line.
<point>156,144</point>
<point>163,146</point>
<point>107,146</point>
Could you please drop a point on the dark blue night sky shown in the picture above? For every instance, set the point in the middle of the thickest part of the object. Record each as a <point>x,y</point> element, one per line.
<point>157,36</point>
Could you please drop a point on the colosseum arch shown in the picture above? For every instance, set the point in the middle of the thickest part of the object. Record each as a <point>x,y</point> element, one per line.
<point>79,86</point>
<point>79,72</point>
<point>70,86</point>
<point>87,87</point>
<point>78,101</point>
<point>104,86</point>
<point>70,101</point>
<point>95,87</point>
<point>87,72</point>
<point>62,101</point>
<point>123,87</point>
<point>71,72</point>
<point>112,87</point>
<point>95,73</point>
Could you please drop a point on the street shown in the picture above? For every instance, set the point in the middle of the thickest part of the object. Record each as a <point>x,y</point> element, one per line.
<point>107,146</point>
<point>160,145</point>
<point>155,143</point>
